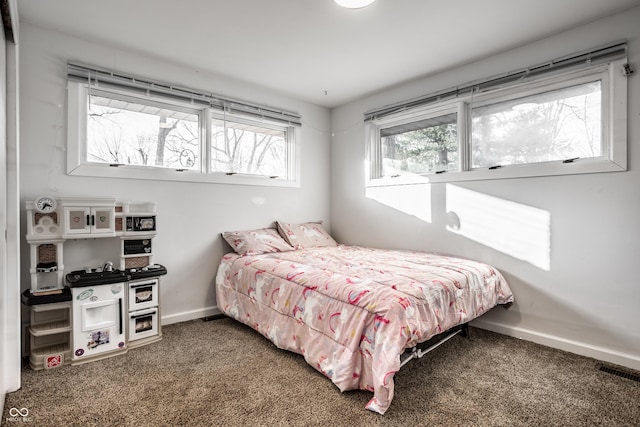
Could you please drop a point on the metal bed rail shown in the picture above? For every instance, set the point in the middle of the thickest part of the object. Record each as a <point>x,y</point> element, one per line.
<point>417,353</point>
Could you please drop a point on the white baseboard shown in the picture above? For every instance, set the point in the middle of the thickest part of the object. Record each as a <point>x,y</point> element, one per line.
<point>600,353</point>
<point>190,315</point>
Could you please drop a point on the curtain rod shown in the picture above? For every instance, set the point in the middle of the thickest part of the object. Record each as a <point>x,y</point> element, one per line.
<point>598,55</point>
<point>87,73</point>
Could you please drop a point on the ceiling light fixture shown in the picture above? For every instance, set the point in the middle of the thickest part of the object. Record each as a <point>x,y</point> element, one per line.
<point>354,4</point>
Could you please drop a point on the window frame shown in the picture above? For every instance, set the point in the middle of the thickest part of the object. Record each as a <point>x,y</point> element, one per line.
<point>237,119</point>
<point>411,116</point>
<point>79,165</point>
<point>614,129</point>
<point>122,96</point>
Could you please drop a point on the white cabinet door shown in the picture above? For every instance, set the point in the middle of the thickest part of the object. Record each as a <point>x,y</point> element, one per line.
<point>77,220</point>
<point>86,221</point>
<point>103,220</point>
<point>98,320</point>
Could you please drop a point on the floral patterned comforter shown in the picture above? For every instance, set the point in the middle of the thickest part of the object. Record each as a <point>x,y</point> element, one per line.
<point>352,311</point>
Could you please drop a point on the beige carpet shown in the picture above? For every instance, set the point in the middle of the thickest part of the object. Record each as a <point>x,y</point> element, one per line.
<point>221,373</point>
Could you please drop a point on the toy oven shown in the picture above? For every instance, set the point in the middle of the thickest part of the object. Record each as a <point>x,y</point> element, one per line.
<point>143,323</point>
<point>143,294</point>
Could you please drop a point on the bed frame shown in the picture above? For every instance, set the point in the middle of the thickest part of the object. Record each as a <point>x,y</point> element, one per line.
<point>434,342</point>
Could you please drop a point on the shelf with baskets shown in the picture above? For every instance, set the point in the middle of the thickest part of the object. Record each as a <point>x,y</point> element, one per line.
<point>50,335</point>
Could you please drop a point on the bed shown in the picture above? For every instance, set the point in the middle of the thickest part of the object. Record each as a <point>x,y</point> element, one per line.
<point>352,311</point>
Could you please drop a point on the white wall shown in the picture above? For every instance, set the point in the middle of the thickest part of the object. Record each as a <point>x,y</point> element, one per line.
<point>191,216</point>
<point>9,216</point>
<point>587,298</point>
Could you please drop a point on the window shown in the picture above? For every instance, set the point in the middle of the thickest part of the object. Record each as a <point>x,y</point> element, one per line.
<point>565,122</point>
<point>122,131</point>
<point>549,126</point>
<point>426,146</point>
<point>117,131</point>
<point>238,147</point>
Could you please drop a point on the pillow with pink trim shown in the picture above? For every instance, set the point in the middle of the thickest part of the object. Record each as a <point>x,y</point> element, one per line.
<point>255,242</point>
<point>307,235</point>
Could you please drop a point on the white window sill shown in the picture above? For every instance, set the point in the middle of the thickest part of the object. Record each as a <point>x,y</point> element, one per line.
<point>579,166</point>
<point>162,174</point>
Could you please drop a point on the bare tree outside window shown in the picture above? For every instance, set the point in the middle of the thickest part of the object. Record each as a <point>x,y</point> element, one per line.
<point>122,132</point>
<point>248,149</point>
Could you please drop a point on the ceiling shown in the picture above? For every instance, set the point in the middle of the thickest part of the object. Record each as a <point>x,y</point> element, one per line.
<point>315,50</point>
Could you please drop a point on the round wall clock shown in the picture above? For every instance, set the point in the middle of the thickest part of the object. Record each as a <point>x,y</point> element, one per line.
<point>46,204</point>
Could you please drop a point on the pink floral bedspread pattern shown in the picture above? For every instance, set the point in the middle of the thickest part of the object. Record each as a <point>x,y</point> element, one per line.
<point>352,311</point>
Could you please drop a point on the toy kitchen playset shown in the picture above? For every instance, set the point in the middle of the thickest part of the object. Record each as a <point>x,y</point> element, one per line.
<point>90,313</point>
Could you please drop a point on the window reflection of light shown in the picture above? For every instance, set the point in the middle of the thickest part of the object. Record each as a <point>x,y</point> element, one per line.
<point>518,230</point>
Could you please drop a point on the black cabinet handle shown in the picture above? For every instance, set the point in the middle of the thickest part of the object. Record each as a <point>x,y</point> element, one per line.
<point>151,313</point>
<point>120,315</point>
<point>149,284</point>
<point>88,220</point>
